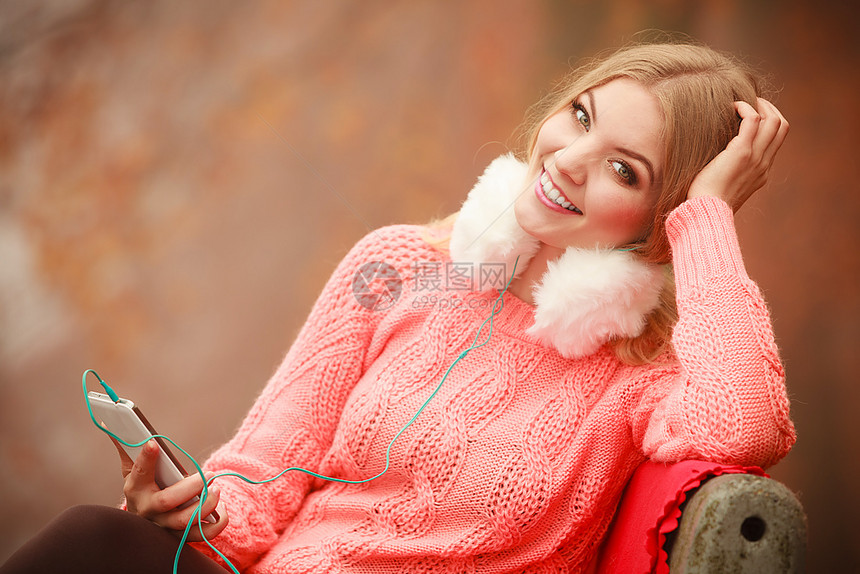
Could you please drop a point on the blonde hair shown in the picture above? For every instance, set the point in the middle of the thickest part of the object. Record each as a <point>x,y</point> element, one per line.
<point>696,88</point>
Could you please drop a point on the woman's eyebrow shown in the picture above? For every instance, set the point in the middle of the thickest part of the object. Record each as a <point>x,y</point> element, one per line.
<point>635,155</point>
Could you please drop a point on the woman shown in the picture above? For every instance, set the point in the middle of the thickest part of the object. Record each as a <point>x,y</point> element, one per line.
<point>598,360</point>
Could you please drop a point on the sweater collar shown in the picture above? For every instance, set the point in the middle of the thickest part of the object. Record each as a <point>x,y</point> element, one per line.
<point>586,297</point>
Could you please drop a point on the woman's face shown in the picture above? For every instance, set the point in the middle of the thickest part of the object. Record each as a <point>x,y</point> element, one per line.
<point>595,169</point>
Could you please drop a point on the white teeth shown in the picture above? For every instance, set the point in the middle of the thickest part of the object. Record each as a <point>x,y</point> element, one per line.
<point>555,195</point>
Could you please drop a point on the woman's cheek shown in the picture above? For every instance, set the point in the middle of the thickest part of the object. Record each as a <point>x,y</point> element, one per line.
<point>634,218</point>
<point>623,217</point>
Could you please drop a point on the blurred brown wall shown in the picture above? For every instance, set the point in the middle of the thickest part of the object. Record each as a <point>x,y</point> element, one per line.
<point>177,180</point>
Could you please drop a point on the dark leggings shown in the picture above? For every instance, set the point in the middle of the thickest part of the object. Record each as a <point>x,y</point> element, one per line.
<point>100,539</point>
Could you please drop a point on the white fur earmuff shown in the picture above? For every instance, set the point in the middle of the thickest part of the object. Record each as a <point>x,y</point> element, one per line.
<point>486,229</point>
<point>586,297</point>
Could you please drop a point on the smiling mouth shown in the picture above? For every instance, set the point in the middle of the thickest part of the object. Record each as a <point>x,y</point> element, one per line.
<point>554,195</point>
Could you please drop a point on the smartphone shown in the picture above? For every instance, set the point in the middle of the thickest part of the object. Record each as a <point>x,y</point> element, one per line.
<point>124,419</point>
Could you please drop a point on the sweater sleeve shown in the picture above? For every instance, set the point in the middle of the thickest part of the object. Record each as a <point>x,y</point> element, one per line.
<point>728,402</point>
<point>293,421</point>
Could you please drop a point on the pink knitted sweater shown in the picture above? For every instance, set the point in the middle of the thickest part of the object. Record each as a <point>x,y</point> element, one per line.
<point>518,463</point>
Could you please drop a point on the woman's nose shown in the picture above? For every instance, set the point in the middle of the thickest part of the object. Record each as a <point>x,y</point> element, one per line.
<point>572,160</point>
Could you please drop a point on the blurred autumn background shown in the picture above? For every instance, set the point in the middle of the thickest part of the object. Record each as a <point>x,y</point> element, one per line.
<point>178,179</point>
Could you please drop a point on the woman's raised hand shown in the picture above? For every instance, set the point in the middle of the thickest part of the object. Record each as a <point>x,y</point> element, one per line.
<point>742,168</point>
<point>164,506</point>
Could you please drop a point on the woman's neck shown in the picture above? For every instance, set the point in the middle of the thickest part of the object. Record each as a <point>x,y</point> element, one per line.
<point>522,287</point>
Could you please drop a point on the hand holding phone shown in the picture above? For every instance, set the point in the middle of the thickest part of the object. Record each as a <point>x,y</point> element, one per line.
<point>175,507</point>
<point>126,421</point>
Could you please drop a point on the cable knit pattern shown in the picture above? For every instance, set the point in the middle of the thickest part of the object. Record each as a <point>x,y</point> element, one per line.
<point>519,461</point>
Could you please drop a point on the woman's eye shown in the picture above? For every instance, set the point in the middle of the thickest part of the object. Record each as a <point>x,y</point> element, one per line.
<point>624,171</point>
<point>581,116</point>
